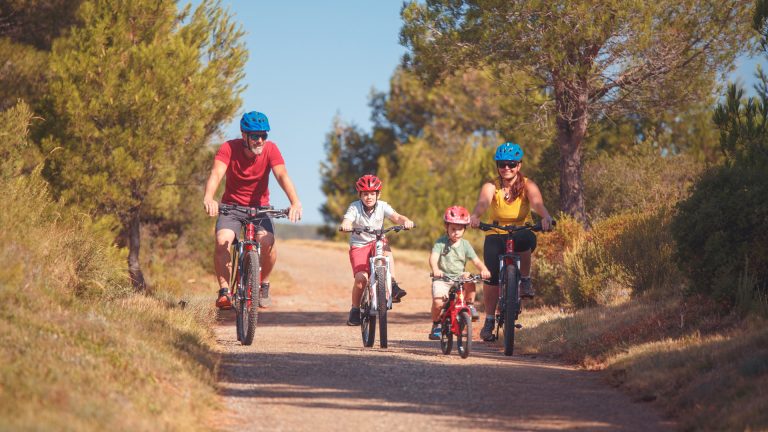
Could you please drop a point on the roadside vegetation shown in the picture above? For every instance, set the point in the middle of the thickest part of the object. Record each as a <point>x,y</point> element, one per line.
<point>656,272</point>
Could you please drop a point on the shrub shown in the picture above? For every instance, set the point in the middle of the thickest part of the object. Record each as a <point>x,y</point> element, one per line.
<point>640,179</point>
<point>721,227</point>
<point>626,254</point>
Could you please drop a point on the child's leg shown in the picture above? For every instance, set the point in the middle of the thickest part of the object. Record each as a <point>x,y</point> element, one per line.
<point>469,292</point>
<point>437,306</point>
<point>361,280</point>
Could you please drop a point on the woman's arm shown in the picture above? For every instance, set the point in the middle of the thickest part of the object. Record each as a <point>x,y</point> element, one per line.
<point>537,204</point>
<point>483,202</point>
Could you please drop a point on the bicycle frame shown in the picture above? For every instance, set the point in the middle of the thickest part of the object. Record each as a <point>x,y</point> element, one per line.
<point>379,260</point>
<point>379,266</point>
<point>513,302</point>
<point>245,286</point>
<point>455,303</point>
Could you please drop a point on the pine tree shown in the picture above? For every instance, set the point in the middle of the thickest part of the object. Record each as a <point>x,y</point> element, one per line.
<point>592,58</point>
<point>136,93</point>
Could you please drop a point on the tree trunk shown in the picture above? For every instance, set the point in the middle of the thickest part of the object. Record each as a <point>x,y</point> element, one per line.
<point>572,121</point>
<point>134,243</point>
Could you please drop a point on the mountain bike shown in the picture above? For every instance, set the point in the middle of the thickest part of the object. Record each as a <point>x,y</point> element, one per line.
<point>245,280</point>
<point>377,295</point>
<point>455,317</point>
<point>509,306</point>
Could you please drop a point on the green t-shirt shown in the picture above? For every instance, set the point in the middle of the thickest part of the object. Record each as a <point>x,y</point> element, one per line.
<point>453,257</point>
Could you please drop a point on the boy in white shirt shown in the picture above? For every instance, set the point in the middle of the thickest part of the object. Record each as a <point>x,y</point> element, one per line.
<point>368,212</point>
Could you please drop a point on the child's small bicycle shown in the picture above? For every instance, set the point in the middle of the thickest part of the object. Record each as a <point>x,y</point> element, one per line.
<point>245,283</point>
<point>455,317</point>
<point>377,296</point>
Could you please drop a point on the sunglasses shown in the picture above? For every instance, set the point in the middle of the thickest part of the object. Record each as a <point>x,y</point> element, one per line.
<point>507,164</point>
<point>255,137</point>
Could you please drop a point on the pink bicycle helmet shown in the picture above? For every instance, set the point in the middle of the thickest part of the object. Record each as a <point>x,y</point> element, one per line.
<point>457,215</point>
<point>368,183</point>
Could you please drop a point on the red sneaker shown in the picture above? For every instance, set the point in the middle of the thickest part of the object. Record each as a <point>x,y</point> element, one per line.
<point>223,301</point>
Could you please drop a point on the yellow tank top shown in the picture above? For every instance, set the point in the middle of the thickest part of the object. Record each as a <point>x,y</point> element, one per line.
<point>517,212</point>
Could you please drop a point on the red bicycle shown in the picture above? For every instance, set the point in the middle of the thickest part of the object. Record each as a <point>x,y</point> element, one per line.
<point>455,317</point>
<point>245,282</point>
<point>510,305</point>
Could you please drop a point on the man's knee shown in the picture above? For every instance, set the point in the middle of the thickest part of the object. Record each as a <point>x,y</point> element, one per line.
<point>266,239</point>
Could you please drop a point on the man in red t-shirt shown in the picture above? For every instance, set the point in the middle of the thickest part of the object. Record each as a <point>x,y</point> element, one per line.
<point>246,163</point>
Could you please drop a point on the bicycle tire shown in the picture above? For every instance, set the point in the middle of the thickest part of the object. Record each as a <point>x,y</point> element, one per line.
<point>511,298</point>
<point>381,300</point>
<point>464,338</point>
<point>446,337</point>
<point>249,305</point>
<point>367,321</point>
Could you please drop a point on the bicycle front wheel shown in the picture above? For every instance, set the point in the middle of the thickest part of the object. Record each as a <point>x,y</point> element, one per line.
<point>367,321</point>
<point>510,308</point>
<point>446,337</point>
<point>251,291</point>
<point>464,339</point>
<point>381,299</point>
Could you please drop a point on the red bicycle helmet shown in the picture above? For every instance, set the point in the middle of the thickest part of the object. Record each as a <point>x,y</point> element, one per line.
<point>368,183</point>
<point>457,215</point>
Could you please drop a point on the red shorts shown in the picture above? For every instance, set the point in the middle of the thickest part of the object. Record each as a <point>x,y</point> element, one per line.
<point>358,256</point>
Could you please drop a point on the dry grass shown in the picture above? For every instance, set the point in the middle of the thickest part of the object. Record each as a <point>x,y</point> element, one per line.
<point>709,372</point>
<point>78,350</point>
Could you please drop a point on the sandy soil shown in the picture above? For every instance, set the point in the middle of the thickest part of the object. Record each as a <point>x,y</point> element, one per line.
<point>307,370</point>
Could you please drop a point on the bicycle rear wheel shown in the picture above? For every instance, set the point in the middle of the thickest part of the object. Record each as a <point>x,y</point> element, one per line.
<point>511,300</point>
<point>251,291</point>
<point>367,321</point>
<point>464,339</point>
<point>381,303</point>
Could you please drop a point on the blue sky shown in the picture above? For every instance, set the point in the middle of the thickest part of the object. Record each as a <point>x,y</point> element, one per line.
<point>309,61</point>
<point>312,60</point>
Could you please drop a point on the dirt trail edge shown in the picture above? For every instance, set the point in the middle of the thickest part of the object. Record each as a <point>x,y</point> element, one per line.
<point>307,370</point>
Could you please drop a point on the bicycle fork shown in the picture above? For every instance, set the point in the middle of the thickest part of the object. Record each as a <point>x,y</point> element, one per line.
<point>379,262</point>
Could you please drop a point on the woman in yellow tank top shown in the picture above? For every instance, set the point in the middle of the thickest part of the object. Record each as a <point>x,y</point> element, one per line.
<point>511,197</point>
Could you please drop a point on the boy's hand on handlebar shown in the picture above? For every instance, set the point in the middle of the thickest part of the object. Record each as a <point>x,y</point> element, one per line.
<point>346,225</point>
<point>211,207</point>
<point>408,224</point>
<point>485,274</point>
<point>437,274</point>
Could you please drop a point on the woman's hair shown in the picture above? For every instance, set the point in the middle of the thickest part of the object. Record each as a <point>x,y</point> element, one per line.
<point>518,187</point>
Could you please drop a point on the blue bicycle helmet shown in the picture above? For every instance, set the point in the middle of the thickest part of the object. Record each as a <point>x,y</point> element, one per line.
<point>509,151</point>
<point>254,121</point>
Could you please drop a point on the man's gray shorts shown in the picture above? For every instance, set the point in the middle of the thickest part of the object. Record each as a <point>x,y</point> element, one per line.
<point>231,221</point>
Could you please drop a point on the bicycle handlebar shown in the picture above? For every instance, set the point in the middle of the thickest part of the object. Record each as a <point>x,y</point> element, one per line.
<point>254,212</point>
<point>512,228</point>
<point>377,232</point>
<point>471,278</point>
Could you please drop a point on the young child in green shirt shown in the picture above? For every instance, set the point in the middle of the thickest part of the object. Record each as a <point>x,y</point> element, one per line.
<point>449,257</point>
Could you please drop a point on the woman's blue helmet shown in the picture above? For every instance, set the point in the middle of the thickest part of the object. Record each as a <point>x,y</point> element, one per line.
<point>509,151</point>
<point>254,121</point>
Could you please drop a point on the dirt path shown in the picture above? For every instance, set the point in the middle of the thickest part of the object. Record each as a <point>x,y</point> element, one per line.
<point>307,370</point>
